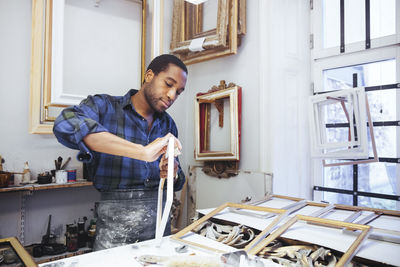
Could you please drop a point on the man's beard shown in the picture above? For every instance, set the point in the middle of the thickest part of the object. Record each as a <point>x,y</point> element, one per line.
<point>150,98</point>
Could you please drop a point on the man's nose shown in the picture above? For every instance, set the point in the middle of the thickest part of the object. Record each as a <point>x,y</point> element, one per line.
<point>171,94</point>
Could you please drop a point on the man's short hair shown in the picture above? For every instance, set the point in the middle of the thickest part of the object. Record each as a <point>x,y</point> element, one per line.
<point>160,63</point>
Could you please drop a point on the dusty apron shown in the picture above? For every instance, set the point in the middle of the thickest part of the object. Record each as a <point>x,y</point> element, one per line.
<point>126,216</point>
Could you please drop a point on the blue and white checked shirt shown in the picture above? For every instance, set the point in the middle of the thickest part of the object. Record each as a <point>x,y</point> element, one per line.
<point>114,114</point>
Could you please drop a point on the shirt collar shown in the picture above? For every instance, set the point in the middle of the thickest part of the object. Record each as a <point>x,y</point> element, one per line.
<point>127,102</point>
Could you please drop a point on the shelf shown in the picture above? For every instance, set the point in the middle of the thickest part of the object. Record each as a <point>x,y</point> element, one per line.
<point>61,256</point>
<point>37,187</point>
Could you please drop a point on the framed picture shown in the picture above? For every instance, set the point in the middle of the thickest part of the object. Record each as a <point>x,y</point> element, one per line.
<point>217,124</point>
<point>208,30</point>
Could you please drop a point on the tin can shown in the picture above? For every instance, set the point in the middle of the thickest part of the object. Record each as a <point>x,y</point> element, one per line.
<point>71,175</point>
<point>61,177</point>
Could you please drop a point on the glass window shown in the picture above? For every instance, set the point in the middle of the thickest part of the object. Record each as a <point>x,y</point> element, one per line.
<point>369,74</point>
<point>354,21</point>
<point>386,142</point>
<point>382,105</point>
<point>331,23</point>
<point>335,198</point>
<point>383,18</point>
<point>377,203</point>
<point>379,177</point>
<point>340,177</point>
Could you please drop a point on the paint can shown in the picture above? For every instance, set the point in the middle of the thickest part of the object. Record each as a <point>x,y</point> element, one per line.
<point>61,177</point>
<point>71,175</point>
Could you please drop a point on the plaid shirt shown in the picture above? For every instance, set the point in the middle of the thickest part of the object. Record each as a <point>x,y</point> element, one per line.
<point>114,114</point>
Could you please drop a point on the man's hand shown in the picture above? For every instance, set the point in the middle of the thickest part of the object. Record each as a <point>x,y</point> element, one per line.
<point>158,147</point>
<point>109,143</point>
<point>164,166</point>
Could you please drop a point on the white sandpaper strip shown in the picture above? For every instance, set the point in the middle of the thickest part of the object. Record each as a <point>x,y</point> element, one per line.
<point>160,226</point>
<point>196,45</point>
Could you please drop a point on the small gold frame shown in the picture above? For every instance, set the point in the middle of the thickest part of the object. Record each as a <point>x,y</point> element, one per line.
<point>346,257</point>
<point>22,254</point>
<point>178,236</point>
<point>221,41</point>
<point>202,126</point>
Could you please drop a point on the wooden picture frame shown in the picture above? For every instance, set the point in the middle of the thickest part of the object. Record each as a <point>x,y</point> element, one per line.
<point>40,117</point>
<point>178,236</point>
<point>23,256</point>
<point>344,259</point>
<point>377,233</point>
<point>202,124</point>
<point>320,146</point>
<point>218,42</point>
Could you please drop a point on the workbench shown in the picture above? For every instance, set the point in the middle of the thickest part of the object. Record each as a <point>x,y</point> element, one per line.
<point>378,251</point>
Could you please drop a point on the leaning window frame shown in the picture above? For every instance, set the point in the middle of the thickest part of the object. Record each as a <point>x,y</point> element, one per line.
<point>383,48</point>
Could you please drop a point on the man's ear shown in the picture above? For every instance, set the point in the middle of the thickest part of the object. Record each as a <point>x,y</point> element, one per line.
<point>148,76</point>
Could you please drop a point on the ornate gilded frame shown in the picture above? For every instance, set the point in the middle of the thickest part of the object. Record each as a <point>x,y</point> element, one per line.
<point>202,125</point>
<point>218,42</point>
<point>41,57</point>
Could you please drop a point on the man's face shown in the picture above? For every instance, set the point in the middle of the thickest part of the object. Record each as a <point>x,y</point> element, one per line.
<point>163,89</point>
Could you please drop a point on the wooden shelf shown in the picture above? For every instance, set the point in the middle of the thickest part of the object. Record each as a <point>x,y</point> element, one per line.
<point>62,256</point>
<point>37,187</point>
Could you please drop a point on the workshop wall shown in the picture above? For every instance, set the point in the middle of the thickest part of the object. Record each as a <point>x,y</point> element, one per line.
<point>272,66</point>
<point>18,146</point>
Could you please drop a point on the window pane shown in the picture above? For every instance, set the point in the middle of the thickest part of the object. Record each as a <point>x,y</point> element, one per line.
<point>335,198</point>
<point>340,177</point>
<point>386,142</point>
<point>370,74</point>
<point>354,21</point>
<point>377,177</point>
<point>383,18</point>
<point>382,105</point>
<point>377,203</point>
<point>331,23</point>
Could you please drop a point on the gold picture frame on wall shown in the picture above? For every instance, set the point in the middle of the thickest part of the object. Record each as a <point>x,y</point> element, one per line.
<point>191,44</point>
<point>218,142</point>
<point>42,109</point>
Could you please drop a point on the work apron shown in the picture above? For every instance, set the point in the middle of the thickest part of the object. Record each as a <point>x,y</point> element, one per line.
<point>126,217</point>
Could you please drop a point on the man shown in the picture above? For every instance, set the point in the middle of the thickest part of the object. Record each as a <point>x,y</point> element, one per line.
<point>123,141</point>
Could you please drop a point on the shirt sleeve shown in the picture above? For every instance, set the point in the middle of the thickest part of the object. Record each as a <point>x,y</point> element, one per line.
<point>75,122</point>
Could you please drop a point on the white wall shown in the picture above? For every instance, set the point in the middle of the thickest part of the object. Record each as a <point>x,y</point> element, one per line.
<point>272,66</point>
<point>17,146</point>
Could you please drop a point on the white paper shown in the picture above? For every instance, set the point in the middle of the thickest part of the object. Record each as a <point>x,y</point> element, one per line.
<point>196,45</point>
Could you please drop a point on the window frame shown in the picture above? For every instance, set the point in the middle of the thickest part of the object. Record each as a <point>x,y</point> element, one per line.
<point>383,48</point>
<point>317,29</point>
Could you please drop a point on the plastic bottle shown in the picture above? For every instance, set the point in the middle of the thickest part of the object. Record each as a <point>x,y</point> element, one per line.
<point>27,173</point>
